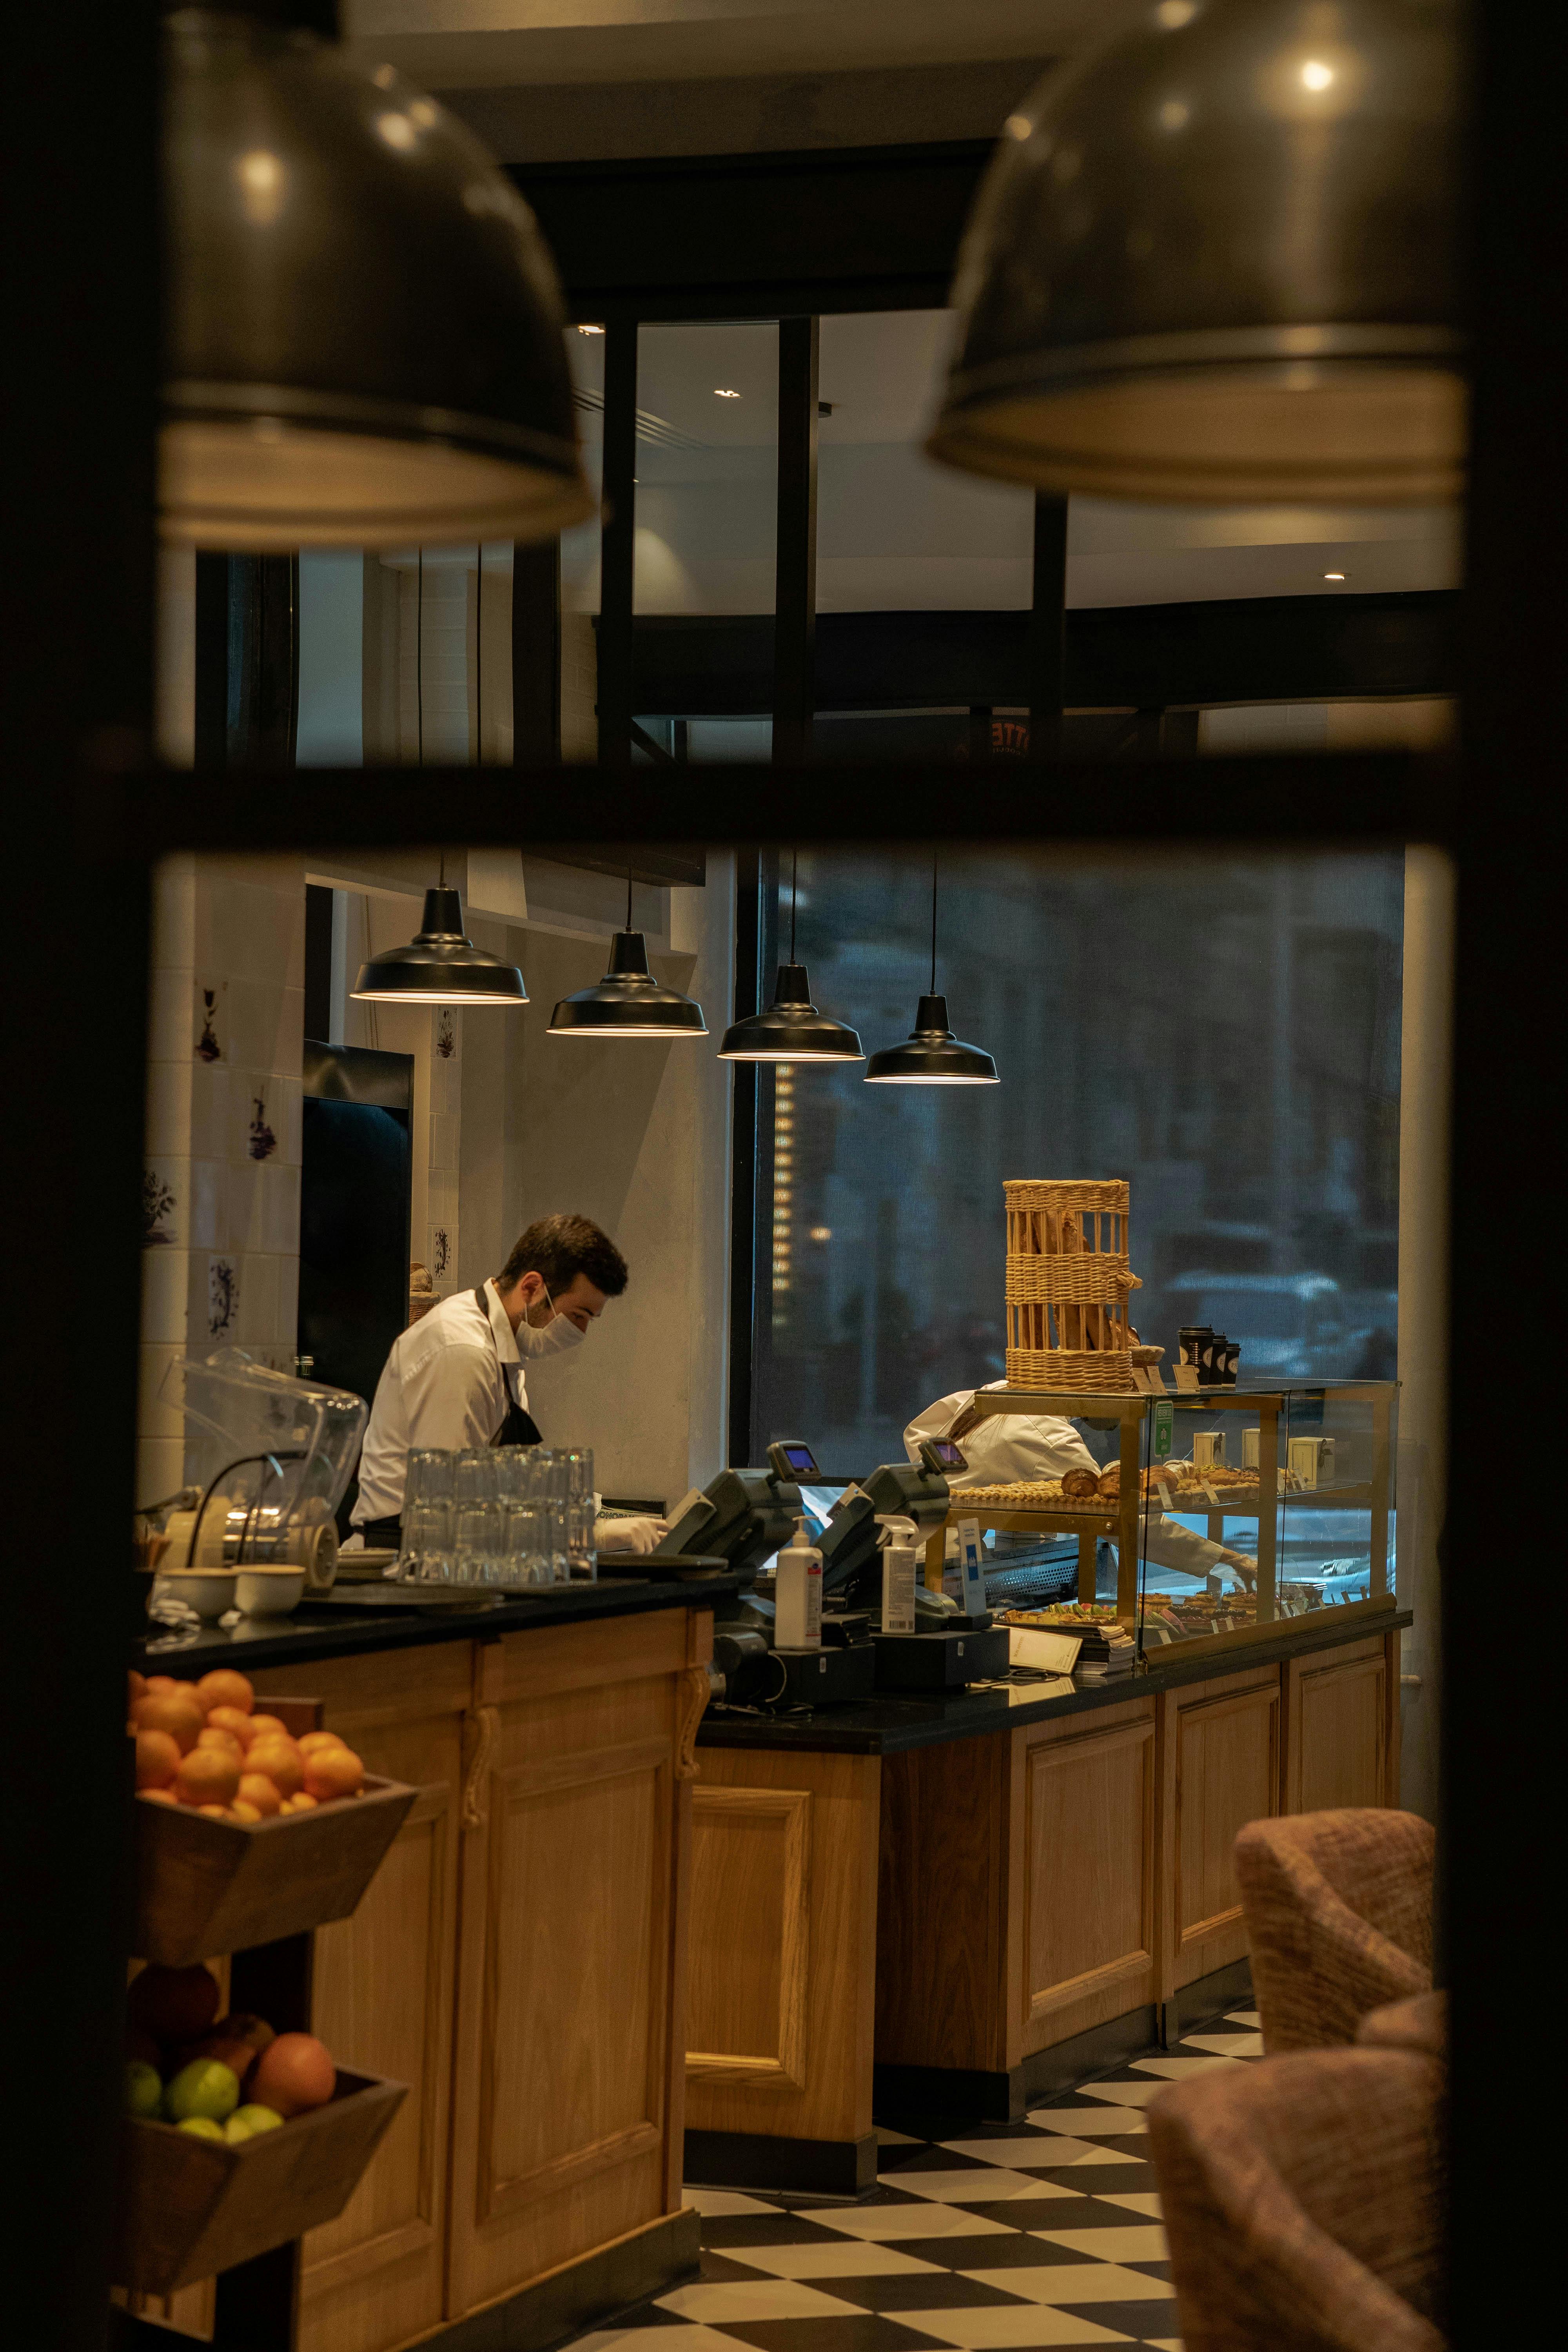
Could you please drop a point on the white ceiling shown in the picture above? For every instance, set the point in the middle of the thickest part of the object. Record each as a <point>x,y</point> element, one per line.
<point>895,532</point>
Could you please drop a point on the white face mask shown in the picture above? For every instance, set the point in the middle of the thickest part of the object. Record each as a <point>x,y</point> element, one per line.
<point>553,1337</point>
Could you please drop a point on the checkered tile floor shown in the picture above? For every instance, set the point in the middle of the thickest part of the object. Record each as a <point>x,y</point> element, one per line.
<point>994,2235</point>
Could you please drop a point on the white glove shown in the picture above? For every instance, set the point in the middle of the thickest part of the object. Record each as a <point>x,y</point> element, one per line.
<point>638,1534</point>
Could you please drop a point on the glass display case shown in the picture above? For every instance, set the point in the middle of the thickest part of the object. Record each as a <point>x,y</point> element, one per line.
<point>1217,1515</point>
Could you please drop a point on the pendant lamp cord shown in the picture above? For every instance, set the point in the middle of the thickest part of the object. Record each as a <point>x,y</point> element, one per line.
<point>479,656</point>
<point>419,657</point>
<point>794,875</point>
<point>628,898</point>
<point>933,856</point>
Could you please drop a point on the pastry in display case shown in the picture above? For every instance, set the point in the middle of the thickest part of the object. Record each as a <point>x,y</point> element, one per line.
<point>1293,1488</point>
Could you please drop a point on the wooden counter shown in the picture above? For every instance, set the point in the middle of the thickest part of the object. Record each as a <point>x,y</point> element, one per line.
<point>1053,1879</point>
<point>519,1961</point>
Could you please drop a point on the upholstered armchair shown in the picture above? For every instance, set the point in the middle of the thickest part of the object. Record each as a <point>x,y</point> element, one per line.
<point>1338,1919</point>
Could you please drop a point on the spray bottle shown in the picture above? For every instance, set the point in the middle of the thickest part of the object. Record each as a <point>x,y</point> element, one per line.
<point>899,1542</point>
<point>797,1595</point>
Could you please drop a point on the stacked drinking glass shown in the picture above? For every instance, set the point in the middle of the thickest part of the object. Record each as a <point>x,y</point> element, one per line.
<point>426,1554</point>
<point>512,1516</point>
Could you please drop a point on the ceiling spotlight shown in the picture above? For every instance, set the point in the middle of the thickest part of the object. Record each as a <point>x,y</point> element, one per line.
<point>723,392</point>
<point>1315,75</point>
<point>590,331</point>
<point>1333,575</point>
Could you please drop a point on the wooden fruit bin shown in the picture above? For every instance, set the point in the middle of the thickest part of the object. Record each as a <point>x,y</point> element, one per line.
<point>205,1886</point>
<point>189,2207</point>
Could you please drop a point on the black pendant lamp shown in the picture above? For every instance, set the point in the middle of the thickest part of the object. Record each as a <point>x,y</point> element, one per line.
<point>363,338</point>
<point>931,1056</point>
<point>440,965</point>
<point>1217,260</point>
<point>792,1029</point>
<point>628,1001</point>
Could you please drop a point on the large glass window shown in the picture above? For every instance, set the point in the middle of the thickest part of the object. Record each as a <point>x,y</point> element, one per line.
<point>1222,1032</point>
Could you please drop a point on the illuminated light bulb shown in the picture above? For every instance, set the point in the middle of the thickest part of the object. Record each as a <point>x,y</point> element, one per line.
<point>1315,75</point>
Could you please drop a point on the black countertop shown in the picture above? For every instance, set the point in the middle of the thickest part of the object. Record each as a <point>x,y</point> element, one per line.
<point>340,1629</point>
<point>881,1726</point>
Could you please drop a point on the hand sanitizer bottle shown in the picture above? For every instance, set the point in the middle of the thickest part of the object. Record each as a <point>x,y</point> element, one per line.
<point>898,1539</point>
<point>797,1595</point>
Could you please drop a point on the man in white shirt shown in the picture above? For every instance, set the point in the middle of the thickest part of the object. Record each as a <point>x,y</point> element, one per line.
<point>455,1377</point>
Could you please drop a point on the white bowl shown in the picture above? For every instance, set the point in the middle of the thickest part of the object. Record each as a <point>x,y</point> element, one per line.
<point>208,1590</point>
<point>269,1592</point>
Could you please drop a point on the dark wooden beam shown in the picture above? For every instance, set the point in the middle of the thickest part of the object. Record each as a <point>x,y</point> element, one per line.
<point>758,237</point>
<point>1121,656</point>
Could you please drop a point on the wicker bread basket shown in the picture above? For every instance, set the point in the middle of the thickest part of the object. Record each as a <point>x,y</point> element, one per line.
<point>1068,1278</point>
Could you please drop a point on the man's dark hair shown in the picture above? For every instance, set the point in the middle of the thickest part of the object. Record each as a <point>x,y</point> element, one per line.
<point>562,1247</point>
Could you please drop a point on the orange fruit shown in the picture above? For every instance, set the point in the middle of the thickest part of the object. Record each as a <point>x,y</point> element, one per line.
<point>314,1739</point>
<point>136,1685</point>
<point>214,1812</point>
<point>232,1720</point>
<point>303,1804</point>
<point>226,1743</point>
<point>208,1776</point>
<point>176,1711</point>
<point>295,2072</point>
<point>242,1811</point>
<point>256,1790</point>
<point>333,1772</point>
<point>165,1683</point>
<point>224,1687</point>
<point>269,1726</point>
<point>159,1796</point>
<point>281,1760</point>
<point>157,1759</point>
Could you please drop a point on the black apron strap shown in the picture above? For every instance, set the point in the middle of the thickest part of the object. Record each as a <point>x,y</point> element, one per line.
<point>518,1428</point>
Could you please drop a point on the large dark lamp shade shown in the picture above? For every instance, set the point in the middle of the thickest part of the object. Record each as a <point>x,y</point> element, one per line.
<point>792,1029</point>
<point>931,1056</point>
<point>628,1001</point>
<point>362,336</point>
<point>1217,260</point>
<point>440,966</point>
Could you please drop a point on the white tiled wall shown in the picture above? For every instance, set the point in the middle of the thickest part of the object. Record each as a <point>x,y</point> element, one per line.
<point>221,1262</point>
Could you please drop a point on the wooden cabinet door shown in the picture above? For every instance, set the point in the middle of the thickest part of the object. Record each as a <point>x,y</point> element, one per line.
<point>383,2000</point>
<point>1338,1745</point>
<point>784,1944</point>
<point>1084,1806</point>
<point>568,2113</point>
<point>1219,1761</point>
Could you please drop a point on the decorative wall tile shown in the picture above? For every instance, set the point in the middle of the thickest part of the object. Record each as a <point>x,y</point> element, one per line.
<point>449,1033</point>
<point>165,1202</point>
<point>441,1254</point>
<point>175,913</point>
<point>261,1136</point>
<point>280,1210</point>
<point>209,1009</point>
<point>168,1108</point>
<point>160,1469</point>
<point>259,1300</point>
<point>223,1316</point>
<point>205,1229</point>
<point>209,1110</point>
<point>165,1274</point>
<point>155,1418</point>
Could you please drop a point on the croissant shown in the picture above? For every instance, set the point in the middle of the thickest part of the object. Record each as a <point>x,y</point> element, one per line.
<point>1080,1483</point>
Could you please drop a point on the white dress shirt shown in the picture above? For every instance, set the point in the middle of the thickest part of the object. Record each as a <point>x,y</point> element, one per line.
<point>448,1382</point>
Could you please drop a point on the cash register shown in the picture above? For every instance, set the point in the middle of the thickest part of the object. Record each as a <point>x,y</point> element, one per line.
<point>745,1517</point>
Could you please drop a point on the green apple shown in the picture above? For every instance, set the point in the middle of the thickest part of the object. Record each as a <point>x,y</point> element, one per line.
<point>245,2122</point>
<point>207,2087</point>
<point>200,2127</point>
<point>144,2088</point>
